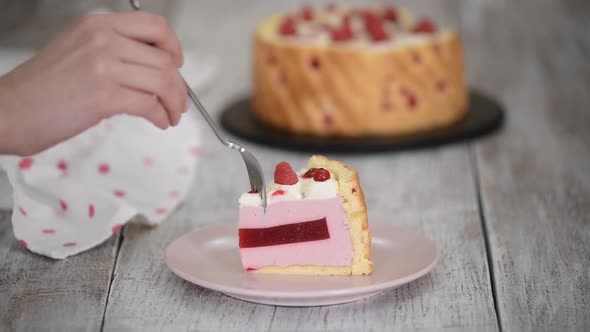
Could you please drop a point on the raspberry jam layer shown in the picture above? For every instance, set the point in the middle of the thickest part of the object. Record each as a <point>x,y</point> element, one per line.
<point>292,233</point>
<point>333,251</point>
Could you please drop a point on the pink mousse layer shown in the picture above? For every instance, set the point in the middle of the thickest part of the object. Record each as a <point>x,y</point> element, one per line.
<point>335,251</point>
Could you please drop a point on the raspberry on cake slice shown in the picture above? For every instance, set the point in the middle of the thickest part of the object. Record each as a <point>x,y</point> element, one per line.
<point>315,223</point>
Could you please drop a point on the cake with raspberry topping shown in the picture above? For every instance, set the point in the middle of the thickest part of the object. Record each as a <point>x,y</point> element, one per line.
<point>345,71</point>
<point>315,223</point>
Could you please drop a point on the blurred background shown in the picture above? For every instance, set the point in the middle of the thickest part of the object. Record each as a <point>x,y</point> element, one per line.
<point>200,24</point>
<point>30,23</point>
<point>510,212</point>
<point>527,54</point>
<point>220,28</point>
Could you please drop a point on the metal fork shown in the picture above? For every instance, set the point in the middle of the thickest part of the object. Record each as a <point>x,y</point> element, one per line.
<point>254,171</point>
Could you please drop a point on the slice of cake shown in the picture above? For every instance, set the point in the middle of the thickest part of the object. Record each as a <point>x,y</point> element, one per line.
<point>356,71</point>
<point>315,223</point>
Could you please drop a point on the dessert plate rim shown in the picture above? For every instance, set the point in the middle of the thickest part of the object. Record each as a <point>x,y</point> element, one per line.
<point>485,115</point>
<point>175,254</point>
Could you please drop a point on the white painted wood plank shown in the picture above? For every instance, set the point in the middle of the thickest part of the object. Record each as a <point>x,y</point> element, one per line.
<point>5,192</point>
<point>147,296</point>
<point>41,294</point>
<point>432,191</point>
<point>535,177</point>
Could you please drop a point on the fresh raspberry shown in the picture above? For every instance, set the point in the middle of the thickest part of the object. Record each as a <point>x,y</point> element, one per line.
<point>390,14</point>
<point>370,19</point>
<point>377,32</point>
<point>309,173</point>
<point>314,63</point>
<point>343,33</point>
<point>346,20</point>
<point>410,97</point>
<point>307,13</point>
<point>328,120</point>
<point>321,175</point>
<point>374,26</point>
<point>279,192</point>
<point>287,27</point>
<point>284,174</point>
<point>424,26</point>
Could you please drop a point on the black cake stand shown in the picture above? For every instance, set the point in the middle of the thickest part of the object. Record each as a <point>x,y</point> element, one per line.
<point>484,116</point>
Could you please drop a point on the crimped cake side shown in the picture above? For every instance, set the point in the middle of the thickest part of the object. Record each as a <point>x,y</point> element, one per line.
<point>411,84</point>
<point>355,208</point>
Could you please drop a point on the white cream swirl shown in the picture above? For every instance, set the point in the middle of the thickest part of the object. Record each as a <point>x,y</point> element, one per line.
<point>303,189</point>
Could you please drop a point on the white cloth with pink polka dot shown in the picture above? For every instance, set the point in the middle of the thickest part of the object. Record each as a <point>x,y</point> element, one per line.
<point>77,194</point>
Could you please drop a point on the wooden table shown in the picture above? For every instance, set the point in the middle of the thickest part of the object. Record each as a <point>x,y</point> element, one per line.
<point>510,214</point>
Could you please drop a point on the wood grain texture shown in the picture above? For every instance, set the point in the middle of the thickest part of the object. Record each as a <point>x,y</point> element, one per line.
<point>535,178</point>
<point>535,199</point>
<point>5,192</point>
<point>41,294</point>
<point>432,191</point>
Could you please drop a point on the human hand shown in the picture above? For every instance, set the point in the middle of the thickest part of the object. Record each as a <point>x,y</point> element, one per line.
<point>106,64</point>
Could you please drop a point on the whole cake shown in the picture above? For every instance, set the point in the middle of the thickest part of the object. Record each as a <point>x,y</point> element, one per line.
<point>315,223</point>
<point>347,71</point>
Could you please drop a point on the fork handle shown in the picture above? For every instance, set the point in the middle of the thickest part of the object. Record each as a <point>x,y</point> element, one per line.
<point>209,120</point>
<point>136,6</point>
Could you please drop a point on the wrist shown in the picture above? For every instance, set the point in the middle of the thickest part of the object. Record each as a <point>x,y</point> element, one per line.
<point>7,137</point>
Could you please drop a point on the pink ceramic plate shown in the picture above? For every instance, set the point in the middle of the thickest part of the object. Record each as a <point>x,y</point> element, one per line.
<point>209,257</point>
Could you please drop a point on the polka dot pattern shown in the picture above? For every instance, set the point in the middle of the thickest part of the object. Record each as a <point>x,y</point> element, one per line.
<point>71,198</point>
<point>161,210</point>
<point>116,228</point>
<point>62,166</point>
<point>25,164</point>
<point>148,161</point>
<point>194,150</point>
<point>91,211</point>
<point>104,168</point>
